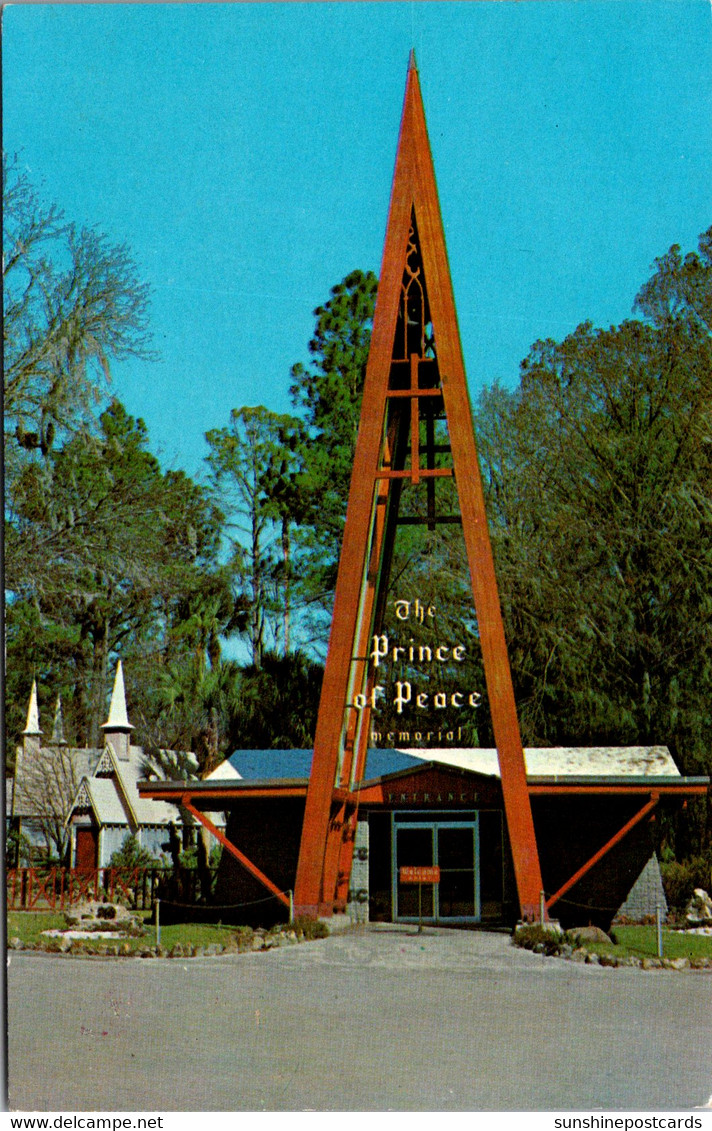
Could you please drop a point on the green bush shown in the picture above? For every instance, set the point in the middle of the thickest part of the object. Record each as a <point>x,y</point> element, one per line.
<point>680,878</point>
<point>545,940</point>
<point>131,855</point>
<point>309,928</point>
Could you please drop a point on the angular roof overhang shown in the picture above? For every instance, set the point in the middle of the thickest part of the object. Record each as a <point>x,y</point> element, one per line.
<point>375,790</point>
<point>222,789</point>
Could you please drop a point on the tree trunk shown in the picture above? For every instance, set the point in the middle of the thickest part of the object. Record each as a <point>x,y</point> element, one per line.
<point>286,558</point>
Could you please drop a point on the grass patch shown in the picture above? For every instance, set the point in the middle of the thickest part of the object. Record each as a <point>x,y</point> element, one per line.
<point>629,941</point>
<point>29,925</point>
<point>641,941</point>
<point>195,934</point>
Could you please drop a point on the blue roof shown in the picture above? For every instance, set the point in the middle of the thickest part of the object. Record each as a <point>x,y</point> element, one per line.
<point>266,765</point>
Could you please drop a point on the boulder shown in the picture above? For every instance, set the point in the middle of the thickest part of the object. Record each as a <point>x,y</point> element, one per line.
<point>589,934</point>
<point>97,909</point>
<point>699,909</point>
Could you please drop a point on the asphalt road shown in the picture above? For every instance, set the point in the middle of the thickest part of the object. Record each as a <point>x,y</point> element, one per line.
<point>375,1019</point>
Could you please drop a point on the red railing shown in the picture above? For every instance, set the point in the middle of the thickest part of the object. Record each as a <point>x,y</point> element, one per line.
<point>31,889</point>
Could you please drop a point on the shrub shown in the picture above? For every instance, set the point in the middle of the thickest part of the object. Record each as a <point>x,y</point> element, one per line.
<point>681,878</point>
<point>131,855</point>
<point>309,928</point>
<point>545,940</point>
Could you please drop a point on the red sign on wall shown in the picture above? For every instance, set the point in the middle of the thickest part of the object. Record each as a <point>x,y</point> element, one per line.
<point>420,875</point>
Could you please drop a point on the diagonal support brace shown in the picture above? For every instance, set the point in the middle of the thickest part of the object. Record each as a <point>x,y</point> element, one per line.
<point>639,816</point>
<point>186,802</point>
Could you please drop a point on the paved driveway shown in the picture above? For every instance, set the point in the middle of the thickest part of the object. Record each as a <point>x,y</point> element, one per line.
<point>374,1019</point>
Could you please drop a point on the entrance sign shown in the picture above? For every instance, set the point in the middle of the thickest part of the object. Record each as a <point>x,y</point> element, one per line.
<point>415,392</point>
<point>414,874</point>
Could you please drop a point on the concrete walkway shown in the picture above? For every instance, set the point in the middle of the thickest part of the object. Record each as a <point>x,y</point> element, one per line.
<point>377,1018</point>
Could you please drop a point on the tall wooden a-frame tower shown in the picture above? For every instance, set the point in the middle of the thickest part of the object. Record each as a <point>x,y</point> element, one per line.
<point>415,377</point>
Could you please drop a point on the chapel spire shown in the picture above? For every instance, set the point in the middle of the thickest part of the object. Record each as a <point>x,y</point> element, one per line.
<point>58,738</point>
<point>117,727</point>
<point>32,734</point>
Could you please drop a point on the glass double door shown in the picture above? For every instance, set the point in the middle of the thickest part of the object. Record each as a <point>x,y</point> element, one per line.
<point>454,847</point>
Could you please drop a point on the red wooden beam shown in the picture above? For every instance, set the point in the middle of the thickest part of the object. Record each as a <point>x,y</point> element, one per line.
<point>160,793</point>
<point>639,816</point>
<point>474,519</point>
<point>240,856</point>
<point>620,789</point>
<point>311,896</point>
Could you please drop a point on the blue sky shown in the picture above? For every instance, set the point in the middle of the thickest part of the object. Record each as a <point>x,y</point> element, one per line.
<point>245,153</point>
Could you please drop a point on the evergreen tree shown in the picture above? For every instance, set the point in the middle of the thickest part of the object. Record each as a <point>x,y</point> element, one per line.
<point>598,470</point>
<point>256,477</point>
<point>328,392</point>
<point>101,547</point>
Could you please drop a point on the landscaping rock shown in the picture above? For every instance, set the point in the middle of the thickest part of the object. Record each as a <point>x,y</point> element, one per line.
<point>699,909</point>
<point>589,934</point>
<point>108,915</point>
<point>177,951</point>
<point>212,949</point>
<point>15,943</point>
<point>678,963</point>
<point>592,959</point>
<point>258,942</point>
<point>651,963</point>
<point>579,955</point>
<point>608,960</point>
